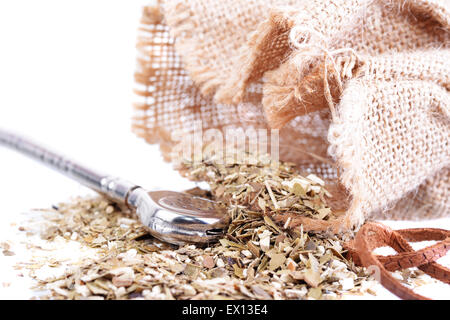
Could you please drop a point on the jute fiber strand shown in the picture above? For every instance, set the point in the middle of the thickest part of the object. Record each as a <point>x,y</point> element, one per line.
<point>358,89</point>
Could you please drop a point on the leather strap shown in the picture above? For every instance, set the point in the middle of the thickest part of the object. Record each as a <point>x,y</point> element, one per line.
<point>373,235</point>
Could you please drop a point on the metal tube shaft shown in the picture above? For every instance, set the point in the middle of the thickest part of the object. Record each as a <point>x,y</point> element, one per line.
<point>114,188</point>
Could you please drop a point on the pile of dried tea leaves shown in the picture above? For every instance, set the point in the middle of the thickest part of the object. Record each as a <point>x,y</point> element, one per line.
<point>256,259</point>
<point>265,188</point>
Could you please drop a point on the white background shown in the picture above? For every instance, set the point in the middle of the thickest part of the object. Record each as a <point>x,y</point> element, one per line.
<point>66,79</point>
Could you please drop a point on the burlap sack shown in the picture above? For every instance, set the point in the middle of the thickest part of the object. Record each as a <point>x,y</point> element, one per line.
<point>359,89</point>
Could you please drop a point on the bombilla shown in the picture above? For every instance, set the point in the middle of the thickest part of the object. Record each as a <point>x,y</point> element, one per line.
<point>174,217</point>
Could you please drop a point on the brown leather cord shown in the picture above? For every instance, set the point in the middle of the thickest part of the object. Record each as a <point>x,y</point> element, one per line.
<point>374,235</point>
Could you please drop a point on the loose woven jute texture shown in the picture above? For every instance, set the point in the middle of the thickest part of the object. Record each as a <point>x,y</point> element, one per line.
<point>358,88</point>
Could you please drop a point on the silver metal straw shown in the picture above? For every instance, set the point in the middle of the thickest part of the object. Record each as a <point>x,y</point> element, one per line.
<point>175,217</point>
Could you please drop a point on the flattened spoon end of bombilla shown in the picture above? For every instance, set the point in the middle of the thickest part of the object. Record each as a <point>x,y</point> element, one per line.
<point>179,218</point>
